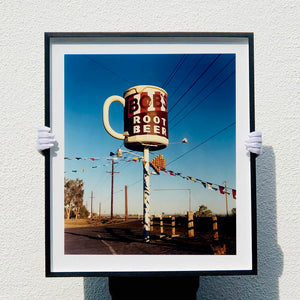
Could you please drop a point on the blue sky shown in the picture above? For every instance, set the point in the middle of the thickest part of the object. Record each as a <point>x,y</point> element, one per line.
<point>201,103</point>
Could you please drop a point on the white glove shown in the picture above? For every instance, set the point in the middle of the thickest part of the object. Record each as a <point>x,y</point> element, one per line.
<point>45,139</point>
<point>254,143</point>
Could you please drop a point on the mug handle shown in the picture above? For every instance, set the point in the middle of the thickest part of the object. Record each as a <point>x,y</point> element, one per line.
<point>105,115</point>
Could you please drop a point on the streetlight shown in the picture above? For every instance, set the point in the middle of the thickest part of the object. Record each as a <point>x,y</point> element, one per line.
<point>184,141</point>
<point>120,153</point>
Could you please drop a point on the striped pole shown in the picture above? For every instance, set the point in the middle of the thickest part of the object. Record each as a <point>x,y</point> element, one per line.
<point>146,192</point>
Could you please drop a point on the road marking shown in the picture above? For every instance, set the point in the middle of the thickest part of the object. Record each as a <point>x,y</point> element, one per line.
<point>106,244</point>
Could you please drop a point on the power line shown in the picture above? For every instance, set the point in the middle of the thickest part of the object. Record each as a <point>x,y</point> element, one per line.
<point>209,82</point>
<point>109,70</point>
<point>194,107</point>
<point>199,77</point>
<point>134,183</point>
<point>195,66</point>
<point>208,139</point>
<point>175,70</point>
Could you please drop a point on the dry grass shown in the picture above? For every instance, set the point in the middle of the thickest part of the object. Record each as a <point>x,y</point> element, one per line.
<point>73,223</point>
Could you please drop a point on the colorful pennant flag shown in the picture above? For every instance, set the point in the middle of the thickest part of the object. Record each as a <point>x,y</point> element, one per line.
<point>210,187</point>
<point>221,189</point>
<point>234,194</point>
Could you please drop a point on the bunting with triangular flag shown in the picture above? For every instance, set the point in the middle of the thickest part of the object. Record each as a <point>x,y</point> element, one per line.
<point>159,160</point>
<point>234,194</point>
<point>221,189</point>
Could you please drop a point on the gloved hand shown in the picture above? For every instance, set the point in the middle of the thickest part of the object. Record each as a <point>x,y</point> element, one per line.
<point>254,142</point>
<point>45,139</point>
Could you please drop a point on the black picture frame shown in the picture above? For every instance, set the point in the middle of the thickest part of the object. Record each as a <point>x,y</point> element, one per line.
<point>55,41</point>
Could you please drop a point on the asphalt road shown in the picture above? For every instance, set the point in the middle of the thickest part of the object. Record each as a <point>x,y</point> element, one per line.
<point>127,238</point>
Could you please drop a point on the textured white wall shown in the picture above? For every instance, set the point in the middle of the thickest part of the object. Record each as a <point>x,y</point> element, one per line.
<point>276,27</point>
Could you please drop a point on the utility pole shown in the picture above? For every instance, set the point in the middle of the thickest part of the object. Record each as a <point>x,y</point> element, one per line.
<point>126,207</point>
<point>112,189</point>
<point>92,197</point>
<point>100,211</point>
<point>226,198</point>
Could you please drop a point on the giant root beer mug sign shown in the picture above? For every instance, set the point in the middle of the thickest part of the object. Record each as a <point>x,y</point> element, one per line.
<point>145,118</point>
<point>145,129</point>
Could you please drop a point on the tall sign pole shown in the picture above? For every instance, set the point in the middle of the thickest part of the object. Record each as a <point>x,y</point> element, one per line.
<point>146,194</point>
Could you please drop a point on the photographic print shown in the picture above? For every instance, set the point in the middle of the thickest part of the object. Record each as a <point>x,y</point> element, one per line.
<point>149,173</point>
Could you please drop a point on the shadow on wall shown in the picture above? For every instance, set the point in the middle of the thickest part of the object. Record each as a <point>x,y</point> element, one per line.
<point>270,257</point>
<point>96,288</point>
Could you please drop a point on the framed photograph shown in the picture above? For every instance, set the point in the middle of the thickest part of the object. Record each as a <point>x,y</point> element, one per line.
<point>149,174</point>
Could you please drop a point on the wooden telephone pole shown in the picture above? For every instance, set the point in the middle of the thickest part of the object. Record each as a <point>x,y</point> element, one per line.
<point>226,198</point>
<point>126,204</point>
<point>112,189</point>
<point>100,211</point>
<point>92,198</point>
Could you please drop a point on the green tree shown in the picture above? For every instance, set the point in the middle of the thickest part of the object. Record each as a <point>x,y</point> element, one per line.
<point>73,196</point>
<point>84,213</point>
<point>203,212</point>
